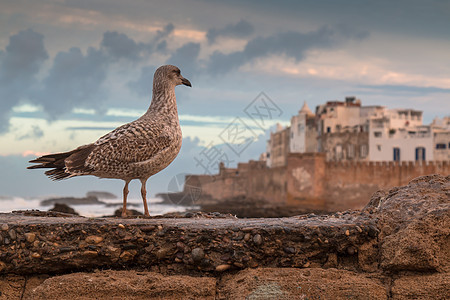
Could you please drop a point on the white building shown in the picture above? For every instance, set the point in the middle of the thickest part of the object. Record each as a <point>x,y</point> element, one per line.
<point>347,131</point>
<point>303,135</point>
<point>398,135</point>
<point>335,116</point>
<point>441,137</point>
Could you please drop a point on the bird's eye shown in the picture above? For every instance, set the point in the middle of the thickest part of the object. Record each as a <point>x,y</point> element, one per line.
<point>177,72</point>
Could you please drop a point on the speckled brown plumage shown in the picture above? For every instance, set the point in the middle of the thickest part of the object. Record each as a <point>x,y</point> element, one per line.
<point>136,150</point>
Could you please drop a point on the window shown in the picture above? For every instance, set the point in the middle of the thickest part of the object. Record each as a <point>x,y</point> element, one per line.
<point>363,151</point>
<point>379,147</point>
<point>441,146</point>
<point>420,153</point>
<point>350,151</point>
<point>328,129</point>
<point>396,154</point>
<point>377,134</point>
<point>338,152</point>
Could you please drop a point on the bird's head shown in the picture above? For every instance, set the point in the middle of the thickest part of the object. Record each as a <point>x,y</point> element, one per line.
<point>170,75</point>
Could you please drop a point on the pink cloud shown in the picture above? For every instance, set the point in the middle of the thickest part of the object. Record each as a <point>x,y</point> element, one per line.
<point>33,153</point>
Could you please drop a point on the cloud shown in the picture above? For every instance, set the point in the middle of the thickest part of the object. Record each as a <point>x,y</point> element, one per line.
<point>35,133</point>
<point>119,45</point>
<point>74,80</point>
<point>185,58</point>
<point>19,65</point>
<point>291,43</point>
<point>241,29</point>
<point>143,85</point>
<point>403,89</point>
<point>165,32</point>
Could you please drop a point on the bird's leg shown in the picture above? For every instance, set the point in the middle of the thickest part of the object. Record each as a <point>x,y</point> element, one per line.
<point>144,196</point>
<point>125,194</point>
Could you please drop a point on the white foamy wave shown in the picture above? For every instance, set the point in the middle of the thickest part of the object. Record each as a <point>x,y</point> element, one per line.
<point>9,204</point>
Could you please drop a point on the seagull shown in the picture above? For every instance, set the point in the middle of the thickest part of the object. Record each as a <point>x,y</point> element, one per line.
<point>136,150</point>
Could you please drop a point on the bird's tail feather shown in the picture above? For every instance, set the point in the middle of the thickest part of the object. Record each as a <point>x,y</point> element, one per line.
<point>54,161</point>
<point>64,164</point>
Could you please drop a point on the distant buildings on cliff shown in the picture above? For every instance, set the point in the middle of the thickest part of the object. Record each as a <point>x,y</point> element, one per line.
<point>348,131</point>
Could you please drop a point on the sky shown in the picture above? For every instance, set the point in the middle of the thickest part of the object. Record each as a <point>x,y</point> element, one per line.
<point>71,71</point>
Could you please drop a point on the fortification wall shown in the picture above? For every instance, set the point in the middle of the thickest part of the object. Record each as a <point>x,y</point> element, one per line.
<point>305,174</point>
<point>347,184</point>
<point>251,180</point>
<point>311,182</point>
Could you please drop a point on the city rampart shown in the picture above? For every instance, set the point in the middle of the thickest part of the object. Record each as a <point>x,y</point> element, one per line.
<point>310,182</point>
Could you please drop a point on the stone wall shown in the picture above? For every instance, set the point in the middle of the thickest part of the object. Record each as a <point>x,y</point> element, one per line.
<point>250,180</point>
<point>310,181</point>
<point>397,247</point>
<point>348,184</point>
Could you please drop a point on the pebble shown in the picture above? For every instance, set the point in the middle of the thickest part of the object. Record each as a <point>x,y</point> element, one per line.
<point>252,264</point>
<point>161,253</point>
<point>30,237</point>
<point>66,249</point>
<point>247,237</point>
<point>247,229</point>
<point>222,268</point>
<point>148,228</point>
<point>372,231</point>
<point>359,229</point>
<point>35,255</point>
<point>121,226</point>
<point>5,227</point>
<point>257,239</point>
<point>12,234</point>
<point>351,250</point>
<point>126,255</point>
<point>93,239</point>
<point>289,250</point>
<point>347,232</point>
<point>225,257</point>
<point>180,246</point>
<point>197,254</point>
<point>90,253</point>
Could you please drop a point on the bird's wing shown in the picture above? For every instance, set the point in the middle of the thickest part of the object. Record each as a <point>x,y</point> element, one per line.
<point>130,143</point>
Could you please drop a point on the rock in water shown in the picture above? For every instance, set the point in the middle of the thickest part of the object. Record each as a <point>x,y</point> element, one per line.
<point>64,208</point>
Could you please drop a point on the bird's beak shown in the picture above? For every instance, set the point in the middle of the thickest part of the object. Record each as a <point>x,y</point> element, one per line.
<point>186,82</point>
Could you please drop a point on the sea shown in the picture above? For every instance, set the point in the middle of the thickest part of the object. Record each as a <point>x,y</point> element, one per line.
<point>155,205</point>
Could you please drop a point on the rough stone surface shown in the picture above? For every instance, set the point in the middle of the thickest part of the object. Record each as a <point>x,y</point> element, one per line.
<point>11,286</point>
<point>313,283</point>
<point>124,285</point>
<point>397,247</point>
<point>414,224</point>
<point>435,286</point>
<point>181,245</point>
